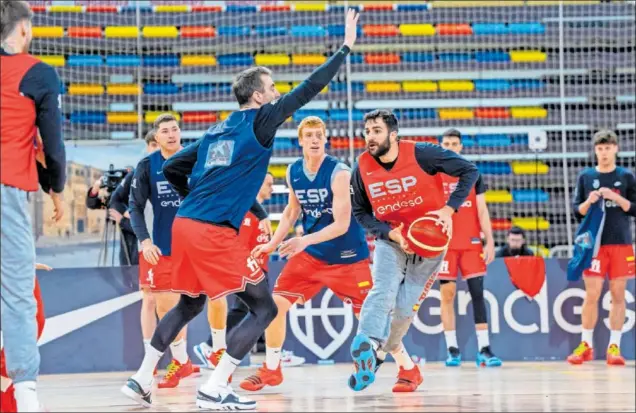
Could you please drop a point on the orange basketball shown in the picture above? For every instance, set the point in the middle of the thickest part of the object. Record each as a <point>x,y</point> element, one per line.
<point>426,238</point>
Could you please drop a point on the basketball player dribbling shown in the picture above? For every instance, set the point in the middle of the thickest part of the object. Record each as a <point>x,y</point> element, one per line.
<point>395,183</point>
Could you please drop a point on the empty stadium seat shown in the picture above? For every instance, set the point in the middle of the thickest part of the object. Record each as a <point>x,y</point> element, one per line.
<point>417,29</point>
<point>198,60</point>
<point>161,60</point>
<point>233,30</point>
<point>285,144</point>
<point>383,87</point>
<point>380,30</point>
<point>241,8</point>
<point>343,115</point>
<point>85,32</point>
<point>454,57</point>
<point>88,117</point>
<point>526,28</point>
<point>456,86</point>
<point>272,60</point>
<point>308,31</point>
<point>529,168</point>
<point>417,57</point>
<point>492,140</point>
<point>271,30</point>
<point>419,86</point>
<point>532,223</point>
<point>528,112</point>
<point>528,56</point>
<point>121,32</point>
<point>123,60</point>
<point>492,56</point>
<point>416,114</point>
<point>53,60</point>
<point>455,113</point>
<point>85,60</point>
<point>122,117</point>
<point>160,32</point>
<point>278,171</point>
<point>494,168</point>
<point>171,8</point>
<point>303,113</point>
<point>530,195</point>
<point>131,89</point>
<point>161,89</point>
<point>492,113</point>
<point>527,84</point>
<point>85,89</point>
<point>337,30</point>
<point>308,59</point>
<point>501,224</point>
<point>489,28</point>
<point>483,85</point>
<point>498,197</point>
<point>48,31</point>
<point>381,58</point>
<point>197,31</point>
<point>453,29</point>
<point>235,59</point>
<point>200,117</point>
<point>151,116</point>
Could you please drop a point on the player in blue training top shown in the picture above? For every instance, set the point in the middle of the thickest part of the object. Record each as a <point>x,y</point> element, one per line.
<point>333,252</point>
<point>220,176</point>
<point>616,187</point>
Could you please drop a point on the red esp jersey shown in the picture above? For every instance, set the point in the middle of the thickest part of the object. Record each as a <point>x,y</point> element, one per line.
<point>466,219</point>
<point>252,236</point>
<point>403,194</point>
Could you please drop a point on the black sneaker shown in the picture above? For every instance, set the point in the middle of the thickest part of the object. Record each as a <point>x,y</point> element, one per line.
<point>486,358</point>
<point>454,358</point>
<point>133,390</point>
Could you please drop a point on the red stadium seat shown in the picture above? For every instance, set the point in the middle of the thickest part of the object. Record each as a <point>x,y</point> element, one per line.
<point>101,9</point>
<point>382,58</point>
<point>378,7</point>
<point>450,29</point>
<point>501,224</point>
<point>380,30</point>
<point>199,117</point>
<point>209,9</point>
<point>198,31</point>
<point>492,113</point>
<point>85,32</point>
<point>275,7</point>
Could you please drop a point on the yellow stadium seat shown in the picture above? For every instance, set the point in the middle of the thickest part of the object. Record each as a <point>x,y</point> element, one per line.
<point>198,60</point>
<point>85,89</point>
<point>308,59</point>
<point>528,113</point>
<point>150,117</point>
<point>122,89</point>
<point>225,114</point>
<point>48,31</point>
<point>375,87</point>
<point>122,117</point>
<point>325,90</point>
<point>309,6</point>
<point>498,197</point>
<point>417,29</point>
<point>283,87</point>
<point>415,86</point>
<point>531,223</point>
<point>476,3</point>
<point>271,60</point>
<point>456,86</point>
<point>529,168</point>
<point>278,171</point>
<point>161,31</point>
<point>54,60</point>
<point>455,113</point>
<point>65,9</point>
<point>121,31</point>
<point>520,56</point>
<point>172,8</point>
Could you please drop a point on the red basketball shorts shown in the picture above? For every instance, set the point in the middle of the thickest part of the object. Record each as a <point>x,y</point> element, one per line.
<point>157,278</point>
<point>615,261</point>
<point>470,262</point>
<point>304,276</point>
<point>211,260</point>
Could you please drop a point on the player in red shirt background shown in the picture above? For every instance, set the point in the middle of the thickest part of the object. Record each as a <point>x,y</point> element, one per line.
<point>466,253</point>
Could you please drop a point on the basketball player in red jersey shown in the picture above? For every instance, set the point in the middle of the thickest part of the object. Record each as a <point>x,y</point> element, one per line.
<point>466,253</point>
<point>395,183</point>
<point>7,393</point>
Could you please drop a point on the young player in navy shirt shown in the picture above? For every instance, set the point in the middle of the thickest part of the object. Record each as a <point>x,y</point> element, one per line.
<point>616,187</point>
<point>220,176</point>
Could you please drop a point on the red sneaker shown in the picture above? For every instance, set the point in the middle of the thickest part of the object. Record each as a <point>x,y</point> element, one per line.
<point>263,377</point>
<point>614,357</point>
<point>408,380</point>
<point>581,354</point>
<point>176,372</point>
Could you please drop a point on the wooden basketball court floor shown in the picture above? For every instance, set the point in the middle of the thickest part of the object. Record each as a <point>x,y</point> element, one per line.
<point>523,386</point>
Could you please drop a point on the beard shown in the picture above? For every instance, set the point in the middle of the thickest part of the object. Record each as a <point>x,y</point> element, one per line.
<point>381,148</point>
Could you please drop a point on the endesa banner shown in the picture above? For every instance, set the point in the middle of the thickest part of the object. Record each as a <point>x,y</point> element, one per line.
<point>93,321</point>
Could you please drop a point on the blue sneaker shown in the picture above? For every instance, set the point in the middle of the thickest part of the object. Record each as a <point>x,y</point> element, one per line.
<point>454,357</point>
<point>485,358</point>
<point>365,362</point>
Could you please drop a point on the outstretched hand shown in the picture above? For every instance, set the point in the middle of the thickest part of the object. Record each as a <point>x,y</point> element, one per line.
<point>351,27</point>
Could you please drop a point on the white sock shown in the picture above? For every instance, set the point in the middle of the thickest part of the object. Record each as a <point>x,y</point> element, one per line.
<point>146,372</point>
<point>272,357</point>
<point>179,351</point>
<point>451,339</point>
<point>26,396</point>
<point>615,338</point>
<point>482,339</point>
<point>146,344</point>
<point>381,354</point>
<point>588,336</point>
<point>218,339</point>
<point>221,374</point>
<point>402,358</point>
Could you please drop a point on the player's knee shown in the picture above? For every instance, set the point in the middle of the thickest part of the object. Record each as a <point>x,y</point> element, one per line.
<point>148,301</point>
<point>190,307</point>
<point>618,296</point>
<point>592,294</point>
<point>476,289</point>
<point>266,311</point>
<point>447,292</point>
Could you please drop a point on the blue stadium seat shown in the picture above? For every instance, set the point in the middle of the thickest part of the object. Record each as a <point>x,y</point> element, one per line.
<point>468,141</point>
<point>492,56</point>
<point>235,59</point>
<point>123,60</point>
<point>240,8</point>
<point>494,168</point>
<point>308,31</point>
<point>417,57</point>
<point>271,30</point>
<point>342,86</point>
<point>341,9</point>
<point>161,89</point>
<point>415,114</point>
<point>221,88</point>
<point>483,85</point>
<point>338,30</point>
<point>233,30</point>
<point>161,60</point>
<point>454,57</point>
<point>530,195</point>
<point>489,28</point>
<point>133,8</point>
<point>285,144</point>
<point>343,114</point>
<point>412,7</point>
<point>301,114</point>
<point>527,84</point>
<point>277,199</point>
<point>492,140</point>
<point>85,60</point>
<point>526,28</point>
<point>356,59</point>
<point>88,117</point>
<point>519,139</point>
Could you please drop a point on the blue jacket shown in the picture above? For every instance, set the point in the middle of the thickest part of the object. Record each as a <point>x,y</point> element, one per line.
<point>587,241</point>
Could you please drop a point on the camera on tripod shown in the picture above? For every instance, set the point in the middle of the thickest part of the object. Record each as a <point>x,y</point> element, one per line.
<point>111,179</point>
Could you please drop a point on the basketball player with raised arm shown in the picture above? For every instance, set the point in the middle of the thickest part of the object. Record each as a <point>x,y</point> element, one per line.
<point>616,187</point>
<point>466,253</point>
<point>332,253</point>
<point>395,183</point>
<point>219,177</point>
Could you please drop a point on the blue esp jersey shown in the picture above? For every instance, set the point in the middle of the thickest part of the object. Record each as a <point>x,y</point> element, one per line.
<point>149,183</point>
<point>587,241</point>
<point>315,195</point>
<point>617,227</point>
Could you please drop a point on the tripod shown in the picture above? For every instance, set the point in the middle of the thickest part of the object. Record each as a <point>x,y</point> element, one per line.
<point>110,234</point>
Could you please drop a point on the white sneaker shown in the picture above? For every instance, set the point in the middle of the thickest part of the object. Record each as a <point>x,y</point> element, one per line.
<point>288,359</point>
<point>223,398</point>
<point>203,352</point>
